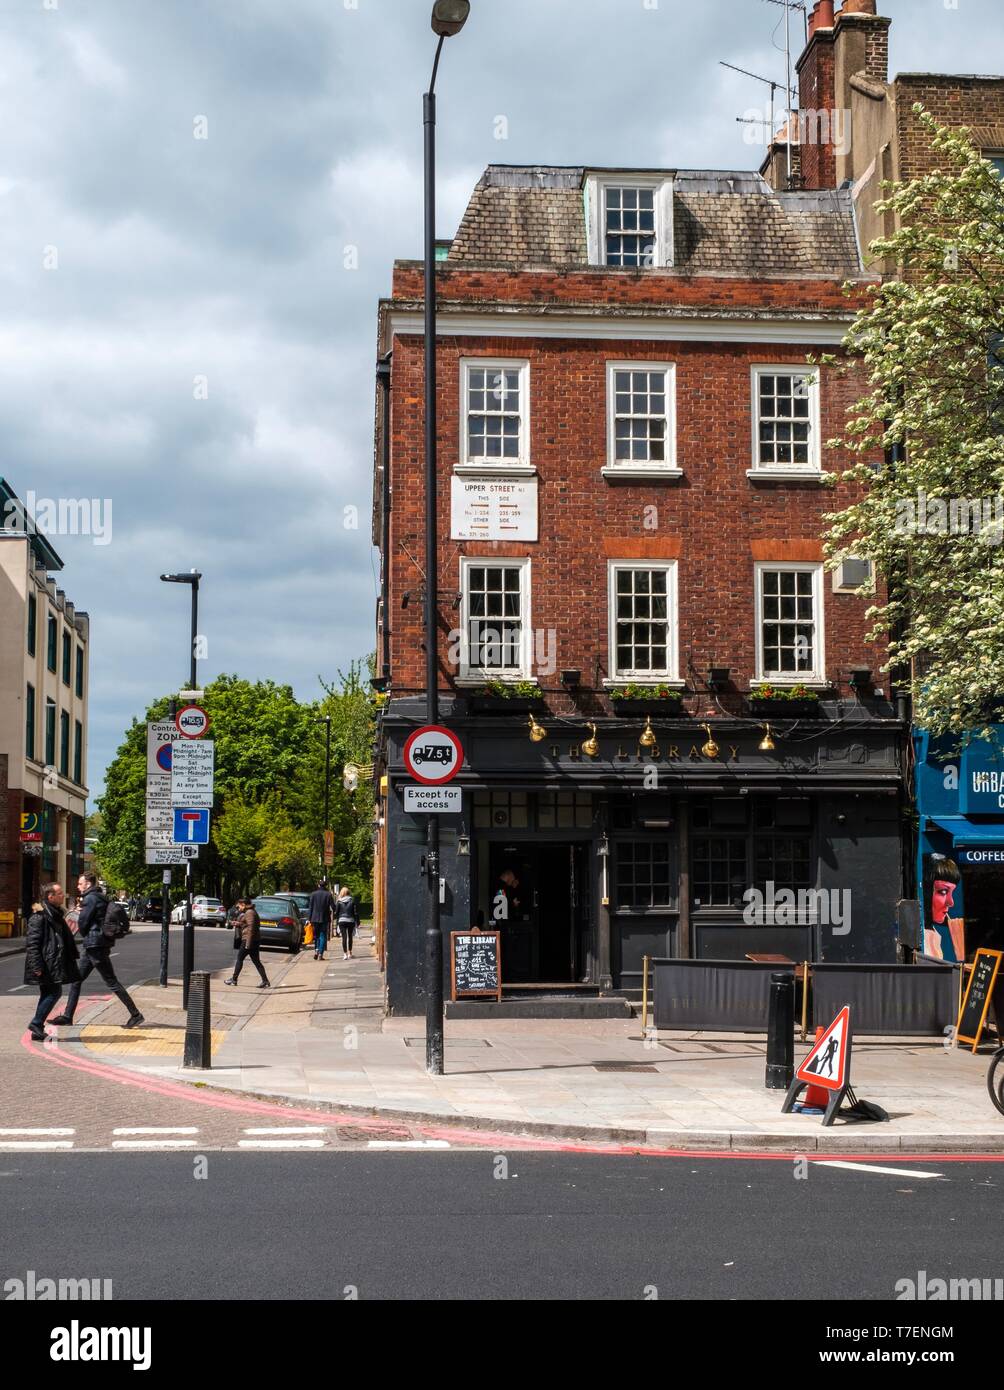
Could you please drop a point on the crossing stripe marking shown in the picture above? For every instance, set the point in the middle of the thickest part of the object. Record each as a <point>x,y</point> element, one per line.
<point>153,1143</point>
<point>408,1144</point>
<point>10,1144</point>
<point>280,1143</point>
<point>870,1168</point>
<point>37,1132</point>
<point>289,1129</point>
<point>157,1129</point>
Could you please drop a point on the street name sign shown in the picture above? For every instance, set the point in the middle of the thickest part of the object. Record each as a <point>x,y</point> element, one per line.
<point>433,755</point>
<point>192,768</point>
<point>440,801</point>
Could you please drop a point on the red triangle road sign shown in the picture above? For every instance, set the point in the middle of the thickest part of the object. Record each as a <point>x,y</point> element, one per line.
<point>826,1064</point>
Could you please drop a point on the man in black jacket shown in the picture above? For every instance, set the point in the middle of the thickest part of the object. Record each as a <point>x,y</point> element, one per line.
<point>321,912</point>
<point>50,958</point>
<point>97,952</point>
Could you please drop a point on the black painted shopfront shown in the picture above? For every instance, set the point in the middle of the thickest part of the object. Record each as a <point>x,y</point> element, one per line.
<point>588,864</point>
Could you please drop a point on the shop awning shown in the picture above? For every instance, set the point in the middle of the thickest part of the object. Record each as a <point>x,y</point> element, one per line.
<point>967,832</point>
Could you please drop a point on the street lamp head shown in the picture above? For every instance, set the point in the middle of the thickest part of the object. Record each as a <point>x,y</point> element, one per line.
<point>450,16</point>
<point>192,578</point>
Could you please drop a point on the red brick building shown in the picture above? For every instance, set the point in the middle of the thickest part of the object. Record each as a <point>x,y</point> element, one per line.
<point>631,455</point>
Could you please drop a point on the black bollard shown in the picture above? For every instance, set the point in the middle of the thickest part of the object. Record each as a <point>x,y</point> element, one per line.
<point>781,1032</point>
<point>198,1034</point>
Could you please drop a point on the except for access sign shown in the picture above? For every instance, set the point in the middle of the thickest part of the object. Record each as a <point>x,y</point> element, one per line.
<point>433,755</point>
<point>439,801</point>
<point>192,722</point>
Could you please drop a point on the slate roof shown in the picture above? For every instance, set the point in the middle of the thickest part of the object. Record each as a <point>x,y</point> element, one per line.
<point>724,222</point>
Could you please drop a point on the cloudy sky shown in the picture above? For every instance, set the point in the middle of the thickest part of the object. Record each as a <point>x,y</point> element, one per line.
<point>200,203</point>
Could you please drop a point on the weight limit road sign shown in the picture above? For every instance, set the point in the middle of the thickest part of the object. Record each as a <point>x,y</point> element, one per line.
<point>433,756</point>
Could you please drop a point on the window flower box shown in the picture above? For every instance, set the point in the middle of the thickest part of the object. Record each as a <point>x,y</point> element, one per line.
<point>784,701</point>
<point>499,697</point>
<point>643,701</point>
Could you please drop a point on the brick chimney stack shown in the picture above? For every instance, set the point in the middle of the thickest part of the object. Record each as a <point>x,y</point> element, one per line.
<point>816,93</point>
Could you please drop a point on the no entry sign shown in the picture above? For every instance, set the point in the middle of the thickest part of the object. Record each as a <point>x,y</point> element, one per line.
<point>433,755</point>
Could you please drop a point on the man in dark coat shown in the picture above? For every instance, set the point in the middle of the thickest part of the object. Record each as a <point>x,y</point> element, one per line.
<point>321,911</point>
<point>97,952</point>
<point>248,938</point>
<point>50,958</point>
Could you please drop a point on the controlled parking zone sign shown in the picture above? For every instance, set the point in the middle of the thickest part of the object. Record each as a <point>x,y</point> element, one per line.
<point>433,755</point>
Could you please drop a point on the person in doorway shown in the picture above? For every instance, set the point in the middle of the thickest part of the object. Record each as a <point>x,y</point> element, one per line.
<point>97,952</point>
<point>247,942</point>
<point>945,937</point>
<point>506,903</point>
<point>50,958</point>
<point>321,911</point>
<point>346,919</point>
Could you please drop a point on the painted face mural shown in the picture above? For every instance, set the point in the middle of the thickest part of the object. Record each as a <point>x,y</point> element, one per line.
<point>944,934</point>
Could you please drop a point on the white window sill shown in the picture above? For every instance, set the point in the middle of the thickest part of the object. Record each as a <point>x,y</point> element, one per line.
<point>495,470</point>
<point>651,472</point>
<point>650,682</point>
<point>783,475</point>
<point>469,682</point>
<point>782,683</point>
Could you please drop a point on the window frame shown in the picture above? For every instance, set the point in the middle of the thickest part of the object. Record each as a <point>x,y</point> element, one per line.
<point>49,732</point>
<point>817,676</point>
<point>67,658</point>
<point>52,644</point>
<point>596,217</point>
<point>615,468</point>
<point>672,675</point>
<point>30,721</point>
<point>521,465</point>
<point>32,640</point>
<point>480,675</point>
<point>78,752</point>
<point>79,677</point>
<point>812,469</point>
<point>64,743</point>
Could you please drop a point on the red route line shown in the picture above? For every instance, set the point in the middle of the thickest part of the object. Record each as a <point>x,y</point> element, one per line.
<point>479,1138</point>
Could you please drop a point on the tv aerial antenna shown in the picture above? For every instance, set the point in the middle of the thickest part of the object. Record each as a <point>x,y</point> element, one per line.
<point>787,6</point>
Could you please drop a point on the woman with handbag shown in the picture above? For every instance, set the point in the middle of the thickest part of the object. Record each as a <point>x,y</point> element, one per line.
<point>346,919</point>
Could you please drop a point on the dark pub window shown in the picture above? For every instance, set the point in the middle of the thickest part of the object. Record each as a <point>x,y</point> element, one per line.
<point>643,874</point>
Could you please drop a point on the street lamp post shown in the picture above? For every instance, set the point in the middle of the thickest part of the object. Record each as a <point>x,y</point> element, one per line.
<point>448,18</point>
<point>188,951</point>
<point>326,720</point>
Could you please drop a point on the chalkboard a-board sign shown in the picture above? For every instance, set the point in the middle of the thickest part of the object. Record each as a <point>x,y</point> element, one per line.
<point>979,991</point>
<point>476,964</point>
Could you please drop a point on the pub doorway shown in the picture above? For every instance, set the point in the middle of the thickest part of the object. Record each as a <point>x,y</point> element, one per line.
<point>537,900</point>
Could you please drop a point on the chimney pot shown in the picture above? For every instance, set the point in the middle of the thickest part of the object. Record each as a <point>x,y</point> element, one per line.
<point>859,7</point>
<point>821,17</point>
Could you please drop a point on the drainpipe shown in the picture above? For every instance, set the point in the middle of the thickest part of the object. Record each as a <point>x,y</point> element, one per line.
<point>383,382</point>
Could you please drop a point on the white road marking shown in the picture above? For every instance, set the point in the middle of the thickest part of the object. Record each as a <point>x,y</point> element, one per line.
<point>291,1129</point>
<point>280,1143</point>
<point>156,1129</point>
<point>408,1144</point>
<point>10,1144</point>
<point>38,1132</point>
<point>153,1143</point>
<point>14,988</point>
<point>869,1168</point>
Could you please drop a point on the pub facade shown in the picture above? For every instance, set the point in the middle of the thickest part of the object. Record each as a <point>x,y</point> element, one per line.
<point>677,740</point>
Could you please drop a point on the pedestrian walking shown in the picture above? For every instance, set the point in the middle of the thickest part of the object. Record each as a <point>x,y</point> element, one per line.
<point>321,911</point>
<point>50,958</point>
<point>346,919</point>
<point>247,942</point>
<point>97,952</point>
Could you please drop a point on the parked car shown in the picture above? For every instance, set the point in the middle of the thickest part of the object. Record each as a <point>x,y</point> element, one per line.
<point>302,901</point>
<point>206,912</point>
<point>152,908</point>
<point>281,923</point>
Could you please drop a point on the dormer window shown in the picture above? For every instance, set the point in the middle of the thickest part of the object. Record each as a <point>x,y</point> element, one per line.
<point>630,220</point>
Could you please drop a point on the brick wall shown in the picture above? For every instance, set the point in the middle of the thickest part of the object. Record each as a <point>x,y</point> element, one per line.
<point>817,92</point>
<point>711,519</point>
<point>971,101</point>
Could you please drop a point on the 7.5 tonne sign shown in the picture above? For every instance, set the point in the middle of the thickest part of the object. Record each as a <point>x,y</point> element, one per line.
<point>433,755</point>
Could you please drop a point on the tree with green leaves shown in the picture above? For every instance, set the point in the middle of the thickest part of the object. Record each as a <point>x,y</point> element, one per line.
<point>932,518</point>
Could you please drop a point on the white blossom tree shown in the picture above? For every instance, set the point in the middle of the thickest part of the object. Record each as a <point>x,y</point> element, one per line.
<point>932,517</point>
